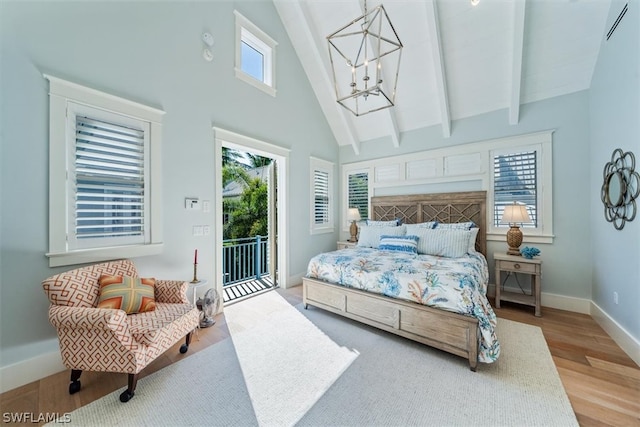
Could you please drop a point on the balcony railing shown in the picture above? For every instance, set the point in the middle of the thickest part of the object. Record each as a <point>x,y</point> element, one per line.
<point>245,259</point>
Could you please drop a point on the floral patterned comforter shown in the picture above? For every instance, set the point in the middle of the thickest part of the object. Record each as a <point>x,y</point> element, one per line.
<point>454,284</point>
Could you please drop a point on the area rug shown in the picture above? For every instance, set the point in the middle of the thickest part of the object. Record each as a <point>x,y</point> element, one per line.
<point>286,365</point>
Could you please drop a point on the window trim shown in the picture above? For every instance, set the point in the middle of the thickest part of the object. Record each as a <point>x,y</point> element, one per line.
<point>61,94</point>
<point>259,40</point>
<point>323,166</point>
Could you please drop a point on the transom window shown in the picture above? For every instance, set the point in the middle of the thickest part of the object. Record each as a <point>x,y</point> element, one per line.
<point>255,56</point>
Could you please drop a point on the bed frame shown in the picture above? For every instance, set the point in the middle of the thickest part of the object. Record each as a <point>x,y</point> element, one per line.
<point>451,332</point>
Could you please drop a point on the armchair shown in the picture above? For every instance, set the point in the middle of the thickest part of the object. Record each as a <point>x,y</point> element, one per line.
<point>107,339</point>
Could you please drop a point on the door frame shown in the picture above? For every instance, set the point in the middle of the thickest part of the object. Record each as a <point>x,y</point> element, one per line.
<point>225,138</point>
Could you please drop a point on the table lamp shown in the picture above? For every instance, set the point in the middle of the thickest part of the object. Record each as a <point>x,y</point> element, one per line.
<point>353,215</point>
<point>513,215</point>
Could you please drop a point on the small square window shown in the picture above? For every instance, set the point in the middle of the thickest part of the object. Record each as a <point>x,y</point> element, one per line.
<point>255,56</point>
<point>252,61</point>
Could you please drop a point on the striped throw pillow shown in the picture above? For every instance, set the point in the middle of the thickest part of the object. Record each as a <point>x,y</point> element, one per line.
<point>408,244</point>
<point>450,243</point>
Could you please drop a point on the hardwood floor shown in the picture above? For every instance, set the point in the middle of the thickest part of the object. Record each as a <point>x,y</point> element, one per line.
<point>602,382</point>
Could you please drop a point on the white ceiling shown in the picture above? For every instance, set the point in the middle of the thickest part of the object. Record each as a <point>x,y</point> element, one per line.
<point>458,60</point>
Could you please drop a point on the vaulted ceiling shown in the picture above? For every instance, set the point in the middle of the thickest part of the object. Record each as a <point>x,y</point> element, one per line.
<point>458,60</point>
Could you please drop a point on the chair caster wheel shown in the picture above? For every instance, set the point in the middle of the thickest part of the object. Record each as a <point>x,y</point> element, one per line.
<point>126,396</point>
<point>184,348</point>
<point>74,387</point>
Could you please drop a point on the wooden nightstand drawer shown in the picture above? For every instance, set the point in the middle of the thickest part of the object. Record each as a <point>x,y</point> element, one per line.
<point>345,244</point>
<point>519,267</point>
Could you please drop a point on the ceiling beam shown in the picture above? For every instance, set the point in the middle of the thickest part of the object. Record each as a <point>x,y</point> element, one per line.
<point>438,64</point>
<point>300,29</point>
<point>516,60</point>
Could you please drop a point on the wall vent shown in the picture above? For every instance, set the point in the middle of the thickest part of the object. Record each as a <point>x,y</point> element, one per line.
<point>618,19</point>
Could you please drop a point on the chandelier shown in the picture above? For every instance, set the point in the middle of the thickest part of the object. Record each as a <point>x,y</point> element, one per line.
<point>365,60</point>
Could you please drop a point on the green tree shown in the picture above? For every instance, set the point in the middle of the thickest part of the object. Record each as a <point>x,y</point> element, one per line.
<point>230,156</point>
<point>256,161</point>
<point>248,214</point>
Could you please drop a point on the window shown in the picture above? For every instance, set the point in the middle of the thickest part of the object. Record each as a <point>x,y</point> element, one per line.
<point>321,201</point>
<point>108,176</point>
<point>517,176</point>
<point>255,56</point>
<point>358,192</point>
<point>515,179</point>
<point>104,171</point>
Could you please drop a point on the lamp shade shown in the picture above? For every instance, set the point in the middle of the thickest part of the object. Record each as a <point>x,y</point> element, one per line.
<point>515,214</point>
<point>353,214</point>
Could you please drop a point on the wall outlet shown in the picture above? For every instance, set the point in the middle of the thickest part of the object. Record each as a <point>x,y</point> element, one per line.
<point>615,298</point>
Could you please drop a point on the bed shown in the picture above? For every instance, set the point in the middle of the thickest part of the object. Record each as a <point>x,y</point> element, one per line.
<point>393,291</point>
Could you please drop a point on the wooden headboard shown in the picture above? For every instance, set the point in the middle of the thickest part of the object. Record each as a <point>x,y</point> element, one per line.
<point>442,207</point>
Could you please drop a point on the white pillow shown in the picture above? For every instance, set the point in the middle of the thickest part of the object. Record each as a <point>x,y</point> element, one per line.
<point>370,235</point>
<point>456,225</point>
<point>448,243</point>
<point>412,227</point>
<point>392,223</point>
<point>473,235</point>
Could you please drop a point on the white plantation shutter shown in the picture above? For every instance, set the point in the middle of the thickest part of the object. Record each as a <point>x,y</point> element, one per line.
<point>321,180</point>
<point>516,179</point>
<point>321,197</point>
<point>108,180</point>
<point>358,193</point>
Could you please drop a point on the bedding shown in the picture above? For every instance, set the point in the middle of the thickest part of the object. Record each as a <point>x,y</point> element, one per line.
<point>458,285</point>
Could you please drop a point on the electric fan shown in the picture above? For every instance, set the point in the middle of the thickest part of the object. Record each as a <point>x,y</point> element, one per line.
<point>208,307</point>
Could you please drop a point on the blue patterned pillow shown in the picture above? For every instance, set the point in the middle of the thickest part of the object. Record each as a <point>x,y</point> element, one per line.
<point>408,244</point>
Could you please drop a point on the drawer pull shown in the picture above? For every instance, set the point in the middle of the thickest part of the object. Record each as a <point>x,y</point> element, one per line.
<point>516,266</point>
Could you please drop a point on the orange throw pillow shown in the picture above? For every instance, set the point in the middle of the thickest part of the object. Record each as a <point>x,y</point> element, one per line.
<point>131,294</point>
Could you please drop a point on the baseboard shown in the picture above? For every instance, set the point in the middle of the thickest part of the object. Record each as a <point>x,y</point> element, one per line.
<point>29,370</point>
<point>620,335</point>
<point>561,302</point>
<point>294,280</point>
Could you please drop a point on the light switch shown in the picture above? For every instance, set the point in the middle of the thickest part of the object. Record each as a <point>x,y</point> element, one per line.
<point>206,230</point>
<point>206,206</point>
<point>191,204</point>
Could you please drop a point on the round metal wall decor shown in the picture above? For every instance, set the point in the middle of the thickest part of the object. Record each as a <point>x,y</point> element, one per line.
<point>620,188</point>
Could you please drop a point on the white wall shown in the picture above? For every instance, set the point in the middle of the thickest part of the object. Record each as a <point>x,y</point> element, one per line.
<point>614,101</point>
<point>149,52</point>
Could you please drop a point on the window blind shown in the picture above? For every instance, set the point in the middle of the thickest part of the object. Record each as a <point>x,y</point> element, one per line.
<point>358,190</point>
<point>321,197</point>
<point>109,180</point>
<point>515,179</point>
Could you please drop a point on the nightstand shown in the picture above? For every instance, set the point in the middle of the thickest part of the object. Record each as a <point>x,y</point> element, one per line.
<point>517,264</point>
<point>345,244</point>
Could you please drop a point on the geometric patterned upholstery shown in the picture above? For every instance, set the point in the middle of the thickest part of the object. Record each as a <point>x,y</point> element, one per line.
<point>79,287</point>
<point>98,339</point>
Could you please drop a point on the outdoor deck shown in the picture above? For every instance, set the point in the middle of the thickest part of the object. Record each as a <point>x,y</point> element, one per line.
<point>241,290</point>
